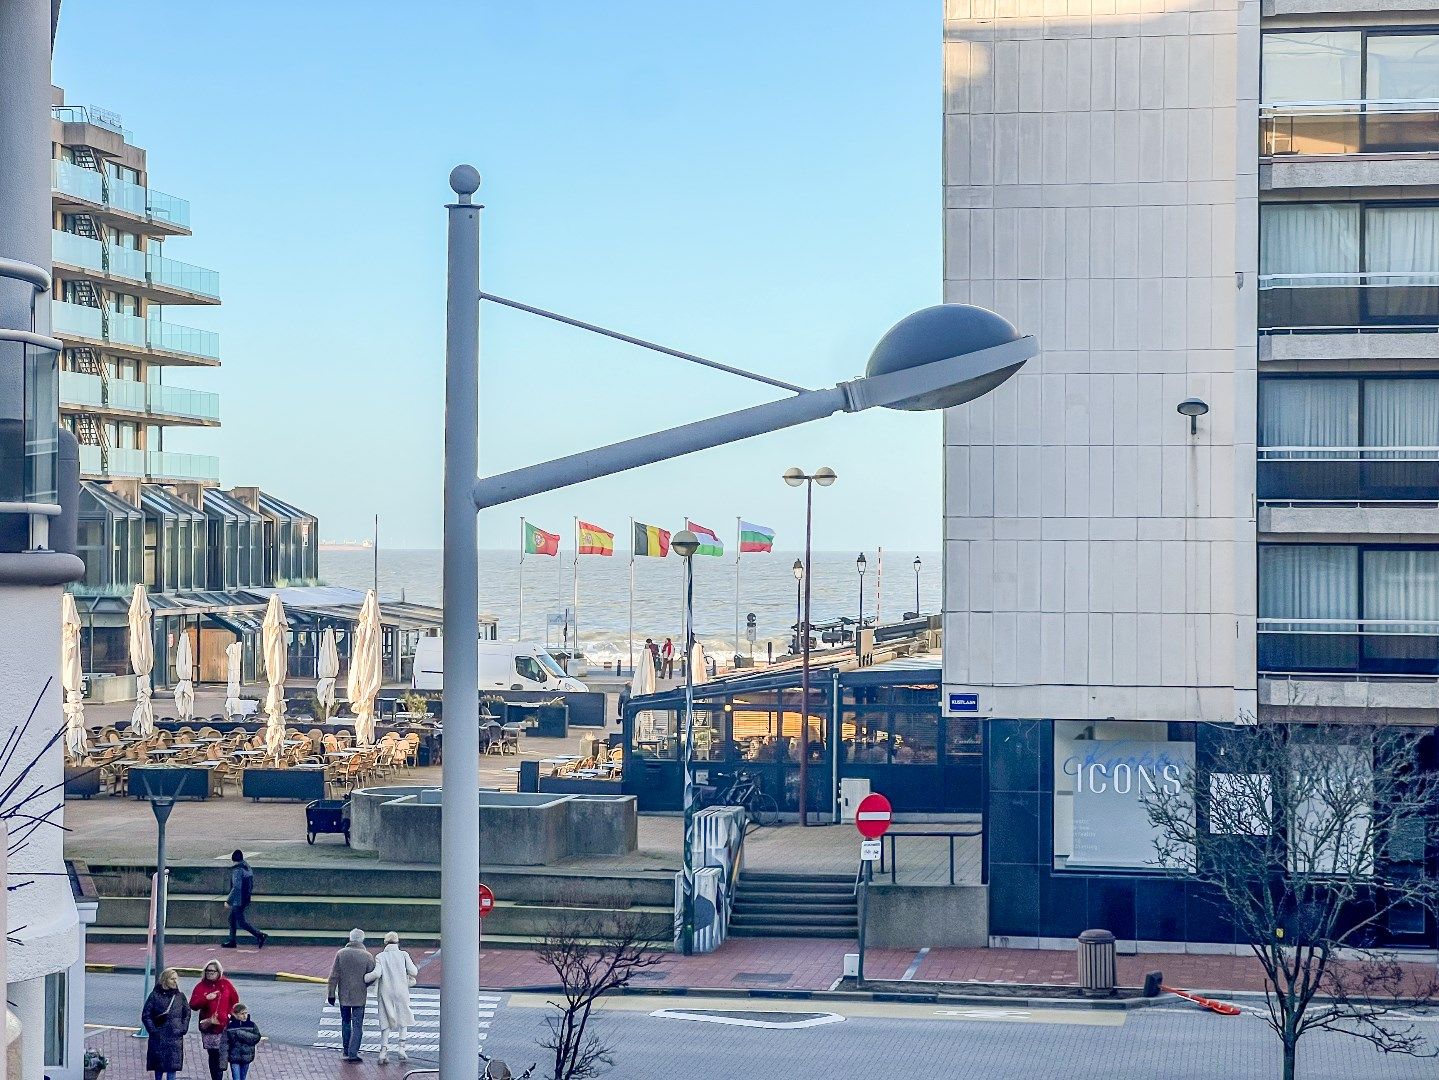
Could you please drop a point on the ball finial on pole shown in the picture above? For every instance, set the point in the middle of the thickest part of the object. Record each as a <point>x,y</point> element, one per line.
<point>464,181</point>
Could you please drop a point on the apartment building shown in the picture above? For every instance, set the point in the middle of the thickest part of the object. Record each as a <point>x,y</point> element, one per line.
<point>1214,496</point>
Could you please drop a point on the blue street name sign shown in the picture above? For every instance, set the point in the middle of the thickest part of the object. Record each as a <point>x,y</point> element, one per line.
<point>964,703</point>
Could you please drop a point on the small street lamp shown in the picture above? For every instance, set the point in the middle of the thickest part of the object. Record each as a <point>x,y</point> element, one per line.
<point>917,566</point>
<point>685,544</point>
<point>860,564</point>
<point>824,477</point>
<point>798,569</point>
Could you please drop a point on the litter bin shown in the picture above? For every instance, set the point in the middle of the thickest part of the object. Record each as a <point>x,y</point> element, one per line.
<point>1096,963</point>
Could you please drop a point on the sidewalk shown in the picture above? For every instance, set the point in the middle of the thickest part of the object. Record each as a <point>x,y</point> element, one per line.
<point>274,1062</point>
<point>745,964</point>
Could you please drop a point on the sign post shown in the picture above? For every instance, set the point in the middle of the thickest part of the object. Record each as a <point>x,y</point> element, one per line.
<point>487,905</point>
<point>872,818</point>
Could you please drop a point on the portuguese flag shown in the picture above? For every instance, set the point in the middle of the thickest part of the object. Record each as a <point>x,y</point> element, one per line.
<point>651,540</point>
<point>709,542</point>
<point>539,542</point>
<point>592,540</point>
<point>754,537</point>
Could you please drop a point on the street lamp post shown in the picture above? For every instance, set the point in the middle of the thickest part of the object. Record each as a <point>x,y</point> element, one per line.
<point>686,544</point>
<point>798,569</point>
<point>934,359</point>
<point>860,564</point>
<point>161,805</point>
<point>917,565</point>
<point>794,478</point>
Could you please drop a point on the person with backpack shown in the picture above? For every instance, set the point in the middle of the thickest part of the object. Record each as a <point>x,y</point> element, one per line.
<point>166,1019</point>
<point>242,889</point>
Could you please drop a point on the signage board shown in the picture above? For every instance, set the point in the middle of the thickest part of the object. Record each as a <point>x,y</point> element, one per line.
<point>873,816</point>
<point>487,901</point>
<point>964,703</point>
<point>869,850</point>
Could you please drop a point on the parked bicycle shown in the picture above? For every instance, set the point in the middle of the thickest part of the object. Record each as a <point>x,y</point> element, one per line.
<point>743,789</point>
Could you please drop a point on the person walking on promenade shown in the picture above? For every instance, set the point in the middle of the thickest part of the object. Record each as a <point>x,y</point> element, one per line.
<point>667,654</point>
<point>393,976</point>
<point>242,888</point>
<point>212,999</point>
<point>166,1018</point>
<point>242,1039</point>
<point>654,654</point>
<point>347,989</point>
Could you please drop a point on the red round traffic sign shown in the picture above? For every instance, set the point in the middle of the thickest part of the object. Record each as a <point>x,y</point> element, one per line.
<point>487,901</point>
<point>873,816</point>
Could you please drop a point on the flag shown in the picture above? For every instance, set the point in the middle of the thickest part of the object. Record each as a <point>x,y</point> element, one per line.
<point>592,540</point>
<point>754,537</point>
<point>539,542</point>
<point>651,540</point>
<point>709,542</point>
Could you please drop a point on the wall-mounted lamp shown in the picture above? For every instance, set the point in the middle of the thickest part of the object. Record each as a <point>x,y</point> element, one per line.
<point>1193,408</point>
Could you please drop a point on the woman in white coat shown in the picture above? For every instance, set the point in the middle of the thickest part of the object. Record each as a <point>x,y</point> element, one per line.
<point>393,976</point>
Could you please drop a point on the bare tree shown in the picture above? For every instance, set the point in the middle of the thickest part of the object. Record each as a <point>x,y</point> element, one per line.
<point>1312,841</point>
<point>593,954</point>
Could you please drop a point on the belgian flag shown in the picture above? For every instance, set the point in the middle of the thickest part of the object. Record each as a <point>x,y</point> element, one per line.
<point>651,540</point>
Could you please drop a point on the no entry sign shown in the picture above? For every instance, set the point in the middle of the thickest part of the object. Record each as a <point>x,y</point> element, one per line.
<point>873,816</point>
<point>487,901</point>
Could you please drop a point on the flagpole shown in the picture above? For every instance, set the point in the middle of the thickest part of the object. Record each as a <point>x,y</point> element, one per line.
<point>520,623</point>
<point>576,577</point>
<point>878,587</point>
<point>632,595</point>
<point>738,547</point>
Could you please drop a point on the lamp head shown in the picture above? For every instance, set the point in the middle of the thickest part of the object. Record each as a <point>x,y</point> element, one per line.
<point>798,569</point>
<point>685,543</point>
<point>825,476</point>
<point>861,563</point>
<point>1193,408</point>
<point>940,333</point>
<point>917,564</point>
<point>794,477</point>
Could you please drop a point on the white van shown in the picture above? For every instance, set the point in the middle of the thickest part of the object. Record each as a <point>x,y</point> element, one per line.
<point>504,665</point>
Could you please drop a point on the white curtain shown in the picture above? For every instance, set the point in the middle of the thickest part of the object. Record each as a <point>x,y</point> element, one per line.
<point>1400,413</point>
<point>1308,412</point>
<point>1309,238</point>
<point>1399,238</point>
<point>1401,585</point>
<point>1308,581</point>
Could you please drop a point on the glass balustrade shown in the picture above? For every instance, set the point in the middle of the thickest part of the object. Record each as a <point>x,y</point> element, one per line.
<point>127,262</point>
<point>90,461</point>
<point>126,329</point>
<point>78,320</point>
<point>70,179</point>
<point>173,466</point>
<point>67,319</point>
<point>72,249</point>
<point>125,461</point>
<point>172,337</point>
<point>1349,127</point>
<point>178,401</point>
<point>77,388</point>
<point>88,184</point>
<point>184,275</point>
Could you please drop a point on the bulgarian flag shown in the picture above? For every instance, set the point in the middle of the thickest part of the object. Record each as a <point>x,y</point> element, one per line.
<point>539,542</point>
<point>709,542</point>
<point>592,540</point>
<point>651,540</point>
<point>754,537</point>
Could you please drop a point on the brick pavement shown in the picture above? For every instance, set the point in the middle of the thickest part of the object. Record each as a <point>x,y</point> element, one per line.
<point>273,1062</point>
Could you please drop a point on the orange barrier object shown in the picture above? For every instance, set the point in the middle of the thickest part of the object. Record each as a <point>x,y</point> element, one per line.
<point>1223,1008</point>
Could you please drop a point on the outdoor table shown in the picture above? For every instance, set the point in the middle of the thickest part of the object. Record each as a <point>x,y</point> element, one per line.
<point>169,753</point>
<point>248,753</point>
<point>181,781</point>
<point>297,784</point>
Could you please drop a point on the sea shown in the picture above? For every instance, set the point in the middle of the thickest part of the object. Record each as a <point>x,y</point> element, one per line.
<point>767,588</point>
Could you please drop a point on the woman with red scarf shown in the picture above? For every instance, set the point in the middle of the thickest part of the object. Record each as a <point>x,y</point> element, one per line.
<point>213,998</point>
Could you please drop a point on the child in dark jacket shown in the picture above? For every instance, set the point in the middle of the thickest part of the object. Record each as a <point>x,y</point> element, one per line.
<point>242,1038</point>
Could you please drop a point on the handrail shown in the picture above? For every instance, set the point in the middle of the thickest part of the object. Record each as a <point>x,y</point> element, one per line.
<point>1347,627</point>
<point>951,836</point>
<point>1346,453</point>
<point>23,271</point>
<point>1357,279</point>
<point>1350,107</point>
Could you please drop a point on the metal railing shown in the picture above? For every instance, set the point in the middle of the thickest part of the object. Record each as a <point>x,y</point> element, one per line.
<point>1349,646</point>
<point>889,842</point>
<point>1351,473</point>
<point>127,196</point>
<point>141,333</point>
<point>1345,128</point>
<point>1348,299</point>
<point>92,114</point>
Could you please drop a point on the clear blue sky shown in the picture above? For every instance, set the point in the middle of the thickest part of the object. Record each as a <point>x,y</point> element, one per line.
<point>753,181</point>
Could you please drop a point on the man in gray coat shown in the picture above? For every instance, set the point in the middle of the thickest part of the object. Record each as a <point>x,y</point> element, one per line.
<point>348,990</point>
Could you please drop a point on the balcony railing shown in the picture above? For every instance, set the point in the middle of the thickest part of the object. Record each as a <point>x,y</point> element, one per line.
<point>1350,646</point>
<point>94,187</point>
<point>72,249</point>
<point>92,114</point>
<point>154,464</point>
<point>79,388</point>
<point>1323,128</point>
<point>1347,301</point>
<point>78,320</point>
<point>1349,473</point>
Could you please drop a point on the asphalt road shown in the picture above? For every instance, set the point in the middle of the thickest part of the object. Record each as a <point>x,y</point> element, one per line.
<point>661,1037</point>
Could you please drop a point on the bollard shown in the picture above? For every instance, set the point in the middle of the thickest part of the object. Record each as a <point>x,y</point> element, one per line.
<point>1097,976</point>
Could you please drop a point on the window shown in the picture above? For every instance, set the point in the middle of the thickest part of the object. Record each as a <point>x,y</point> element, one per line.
<point>1308,581</point>
<point>1402,585</point>
<point>1309,238</point>
<point>57,985</point>
<point>1321,66</point>
<point>1104,773</point>
<point>1309,412</point>
<point>527,667</point>
<point>1401,67</point>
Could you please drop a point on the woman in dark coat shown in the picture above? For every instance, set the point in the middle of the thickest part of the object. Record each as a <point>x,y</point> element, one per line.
<point>166,1017</point>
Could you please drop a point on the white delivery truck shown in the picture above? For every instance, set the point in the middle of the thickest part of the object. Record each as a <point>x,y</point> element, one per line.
<point>504,665</point>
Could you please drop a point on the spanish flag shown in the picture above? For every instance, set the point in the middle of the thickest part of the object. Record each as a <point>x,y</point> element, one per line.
<point>651,540</point>
<point>592,540</point>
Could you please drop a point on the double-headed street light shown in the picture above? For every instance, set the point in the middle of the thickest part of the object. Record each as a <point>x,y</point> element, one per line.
<point>936,358</point>
<point>794,478</point>
<point>685,544</point>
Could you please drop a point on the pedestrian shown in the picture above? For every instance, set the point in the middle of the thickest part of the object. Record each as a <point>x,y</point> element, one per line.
<point>166,1018</point>
<point>625,694</point>
<point>242,889</point>
<point>348,988</point>
<point>654,651</point>
<point>242,1039</point>
<point>212,999</point>
<point>393,976</point>
<point>667,655</point>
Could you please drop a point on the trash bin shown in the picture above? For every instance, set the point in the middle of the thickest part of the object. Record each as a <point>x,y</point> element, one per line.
<point>1096,963</point>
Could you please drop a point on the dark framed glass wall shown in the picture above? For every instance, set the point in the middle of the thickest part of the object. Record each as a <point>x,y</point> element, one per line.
<point>237,543</point>
<point>175,541</point>
<point>110,539</point>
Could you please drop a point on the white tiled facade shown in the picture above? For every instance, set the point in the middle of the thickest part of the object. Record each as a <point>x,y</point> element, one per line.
<point>1101,193</point>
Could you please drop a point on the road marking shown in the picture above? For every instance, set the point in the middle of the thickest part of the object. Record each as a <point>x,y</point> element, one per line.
<point>817,1020</point>
<point>423,1034</point>
<point>913,969</point>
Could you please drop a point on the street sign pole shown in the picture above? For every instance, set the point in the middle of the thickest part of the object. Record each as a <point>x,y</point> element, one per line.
<point>872,818</point>
<point>864,914</point>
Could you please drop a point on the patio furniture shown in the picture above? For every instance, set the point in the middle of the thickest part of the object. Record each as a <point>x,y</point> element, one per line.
<point>327,816</point>
<point>295,784</point>
<point>179,781</point>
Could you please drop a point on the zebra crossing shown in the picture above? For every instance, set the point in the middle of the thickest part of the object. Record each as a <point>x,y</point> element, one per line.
<point>424,1035</point>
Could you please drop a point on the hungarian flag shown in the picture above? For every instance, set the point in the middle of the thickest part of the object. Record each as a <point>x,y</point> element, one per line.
<point>709,542</point>
<point>754,537</point>
<point>651,540</point>
<point>539,542</point>
<point>592,540</point>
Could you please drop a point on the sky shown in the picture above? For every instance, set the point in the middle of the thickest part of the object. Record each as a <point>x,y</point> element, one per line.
<point>755,182</point>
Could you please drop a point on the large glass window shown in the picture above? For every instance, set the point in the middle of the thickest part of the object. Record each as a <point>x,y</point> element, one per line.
<point>1402,67</point>
<point>1309,238</point>
<point>1402,243</point>
<point>1401,413</point>
<point>1308,581</point>
<point>1309,412</point>
<point>1401,585</point>
<point>1324,66</point>
<point>1104,773</point>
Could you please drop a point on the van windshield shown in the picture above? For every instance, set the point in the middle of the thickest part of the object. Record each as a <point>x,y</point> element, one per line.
<point>551,664</point>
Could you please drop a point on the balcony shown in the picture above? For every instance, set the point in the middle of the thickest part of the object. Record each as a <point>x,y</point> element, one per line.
<point>98,193</point>
<point>1344,302</point>
<point>1348,473</point>
<point>1330,128</point>
<point>158,278</point>
<point>151,464</point>
<point>1354,646</point>
<point>132,335</point>
<point>126,395</point>
<point>94,115</point>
